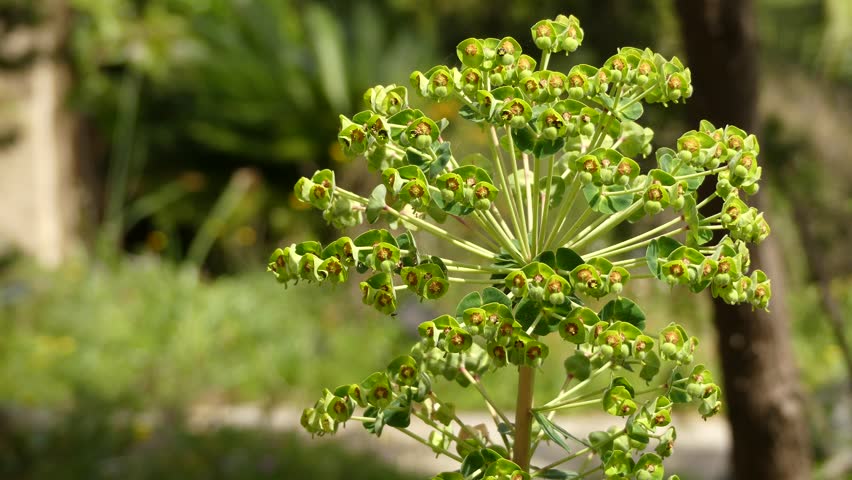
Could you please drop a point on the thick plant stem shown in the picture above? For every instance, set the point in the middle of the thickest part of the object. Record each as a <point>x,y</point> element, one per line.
<point>523,418</point>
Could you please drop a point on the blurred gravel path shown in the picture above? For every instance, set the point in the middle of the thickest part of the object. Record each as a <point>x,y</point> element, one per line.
<point>701,449</point>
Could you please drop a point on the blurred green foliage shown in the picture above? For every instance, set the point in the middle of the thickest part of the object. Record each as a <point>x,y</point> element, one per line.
<point>86,444</point>
<point>814,34</point>
<point>153,335</point>
<point>176,87</point>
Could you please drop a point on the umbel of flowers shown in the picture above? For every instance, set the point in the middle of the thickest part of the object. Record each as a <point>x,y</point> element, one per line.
<point>560,174</point>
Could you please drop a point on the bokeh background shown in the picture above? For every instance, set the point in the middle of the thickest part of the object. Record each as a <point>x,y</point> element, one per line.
<point>147,154</point>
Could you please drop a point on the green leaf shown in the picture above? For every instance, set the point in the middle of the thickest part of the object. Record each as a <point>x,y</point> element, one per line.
<point>491,295</point>
<point>502,468</point>
<point>550,429</point>
<point>618,465</point>
<point>376,203</point>
<point>579,366</point>
<point>567,259</point>
<point>637,431</point>
<point>444,156</point>
<point>650,366</point>
<point>528,310</point>
<point>610,203</point>
<point>398,413</point>
<point>632,112</point>
<point>473,462</point>
<point>471,300</point>
<point>677,395</point>
<point>449,476</point>
<point>372,237</point>
<point>651,464</point>
<point>548,258</point>
<point>544,148</point>
<point>523,139</point>
<point>557,474</point>
<point>659,248</point>
<point>623,310</point>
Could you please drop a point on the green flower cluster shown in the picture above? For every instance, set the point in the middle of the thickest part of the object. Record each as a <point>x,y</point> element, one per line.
<point>724,270</point>
<point>450,347</point>
<point>561,175</point>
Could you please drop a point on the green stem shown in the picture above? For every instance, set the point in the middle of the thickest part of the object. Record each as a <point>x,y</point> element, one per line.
<point>564,209</point>
<point>416,437</point>
<point>584,403</point>
<point>523,234</point>
<point>701,174</point>
<point>468,270</point>
<point>495,212</point>
<point>629,262</point>
<point>601,134</point>
<point>637,98</point>
<point>576,226</point>
<point>707,200</point>
<point>545,59</point>
<point>425,442</point>
<point>487,220</point>
<point>710,218</point>
<point>481,389</point>
<point>589,472</point>
<point>504,184</point>
<point>441,233</point>
<point>579,453</point>
<point>643,236</point>
<point>444,430</point>
<point>470,431</point>
<point>545,217</point>
<point>483,232</point>
<point>480,281</point>
<point>493,235</point>
<point>562,396</point>
<point>534,324</point>
<point>487,268</point>
<point>607,225</point>
<point>528,187</point>
<point>537,217</point>
<point>634,246</point>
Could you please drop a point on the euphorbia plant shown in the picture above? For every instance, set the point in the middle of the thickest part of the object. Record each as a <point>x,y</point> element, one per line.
<point>560,174</point>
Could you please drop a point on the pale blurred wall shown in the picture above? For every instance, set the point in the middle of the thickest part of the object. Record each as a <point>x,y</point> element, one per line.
<point>38,199</point>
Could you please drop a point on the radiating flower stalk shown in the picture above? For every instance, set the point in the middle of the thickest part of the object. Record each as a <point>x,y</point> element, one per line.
<point>561,172</point>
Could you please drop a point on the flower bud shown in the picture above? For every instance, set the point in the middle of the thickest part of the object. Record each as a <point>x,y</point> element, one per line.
<point>423,142</point>
<point>652,207</point>
<point>570,44</point>
<point>543,35</point>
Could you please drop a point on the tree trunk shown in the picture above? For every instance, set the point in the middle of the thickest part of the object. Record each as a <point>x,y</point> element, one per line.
<point>38,197</point>
<point>765,403</point>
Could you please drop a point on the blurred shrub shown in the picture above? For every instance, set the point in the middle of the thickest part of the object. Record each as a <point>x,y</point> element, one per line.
<point>176,86</point>
<point>86,444</point>
<point>150,334</point>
